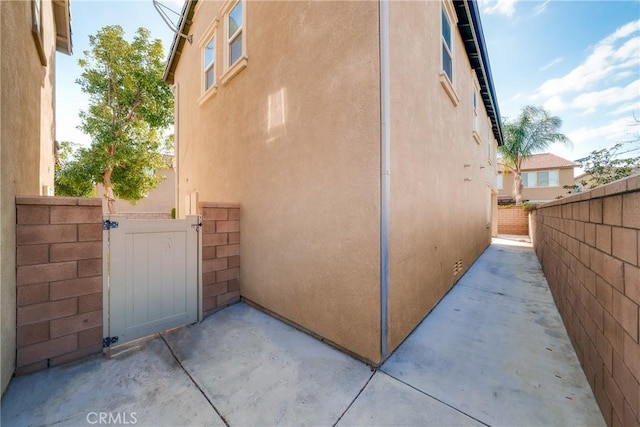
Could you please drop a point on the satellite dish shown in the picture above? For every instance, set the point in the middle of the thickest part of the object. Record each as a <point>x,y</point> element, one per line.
<point>162,11</point>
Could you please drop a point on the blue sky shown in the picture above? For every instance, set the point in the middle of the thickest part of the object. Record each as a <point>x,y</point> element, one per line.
<point>578,59</point>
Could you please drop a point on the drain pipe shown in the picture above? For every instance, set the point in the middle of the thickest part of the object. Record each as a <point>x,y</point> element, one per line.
<point>176,151</point>
<point>385,174</point>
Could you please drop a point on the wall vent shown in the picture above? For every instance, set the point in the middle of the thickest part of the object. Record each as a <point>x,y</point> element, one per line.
<point>457,267</point>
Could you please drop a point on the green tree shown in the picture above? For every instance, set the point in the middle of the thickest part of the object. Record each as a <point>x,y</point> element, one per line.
<point>71,177</point>
<point>606,165</point>
<point>534,130</point>
<point>129,109</point>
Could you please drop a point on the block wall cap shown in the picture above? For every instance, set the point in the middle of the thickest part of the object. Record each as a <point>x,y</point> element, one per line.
<point>229,205</point>
<point>58,201</point>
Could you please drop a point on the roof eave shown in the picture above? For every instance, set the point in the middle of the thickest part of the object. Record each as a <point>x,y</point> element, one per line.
<point>178,41</point>
<point>470,28</point>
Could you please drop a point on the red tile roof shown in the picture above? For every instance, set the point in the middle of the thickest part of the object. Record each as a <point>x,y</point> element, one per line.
<point>544,161</point>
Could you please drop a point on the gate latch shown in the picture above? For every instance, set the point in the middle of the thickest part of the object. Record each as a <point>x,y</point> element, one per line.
<point>106,342</point>
<point>108,225</point>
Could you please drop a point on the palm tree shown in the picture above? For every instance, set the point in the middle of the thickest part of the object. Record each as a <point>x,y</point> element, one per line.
<point>532,131</point>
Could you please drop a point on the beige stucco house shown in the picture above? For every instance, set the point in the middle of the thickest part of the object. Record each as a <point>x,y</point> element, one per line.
<point>543,178</point>
<point>30,34</point>
<point>359,139</point>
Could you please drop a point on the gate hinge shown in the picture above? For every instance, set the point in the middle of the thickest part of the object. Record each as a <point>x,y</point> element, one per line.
<point>106,342</point>
<point>108,225</point>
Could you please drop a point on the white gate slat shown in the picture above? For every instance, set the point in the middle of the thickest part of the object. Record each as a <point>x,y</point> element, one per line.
<point>152,276</point>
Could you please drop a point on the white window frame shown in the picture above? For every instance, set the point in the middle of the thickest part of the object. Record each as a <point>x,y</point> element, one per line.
<point>475,107</point>
<point>208,36</point>
<point>446,81</point>
<point>210,66</point>
<point>231,70</point>
<point>536,173</point>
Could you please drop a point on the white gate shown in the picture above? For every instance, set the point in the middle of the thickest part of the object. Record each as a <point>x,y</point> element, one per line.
<point>150,276</point>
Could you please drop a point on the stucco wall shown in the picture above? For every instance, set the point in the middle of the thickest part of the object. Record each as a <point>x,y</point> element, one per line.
<point>589,248</point>
<point>308,181</point>
<point>539,193</point>
<point>441,177</point>
<point>26,140</point>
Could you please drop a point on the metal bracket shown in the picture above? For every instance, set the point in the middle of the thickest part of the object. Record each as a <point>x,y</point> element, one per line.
<point>106,342</point>
<point>108,225</point>
<point>197,226</point>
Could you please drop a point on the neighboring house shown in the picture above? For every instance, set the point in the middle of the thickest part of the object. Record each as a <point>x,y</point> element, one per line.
<point>30,34</point>
<point>359,139</point>
<point>543,179</point>
<point>158,203</point>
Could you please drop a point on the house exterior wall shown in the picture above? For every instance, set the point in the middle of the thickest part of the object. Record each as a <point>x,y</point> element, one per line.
<point>589,248</point>
<point>540,193</point>
<point>309,212</point>
<point>26,142</point>
<point>441,177</point>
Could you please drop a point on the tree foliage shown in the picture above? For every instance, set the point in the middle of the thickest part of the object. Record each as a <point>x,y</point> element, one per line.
<point>605,166</point>
<point>130,107</point>
<point>533,131</point>
<point>71,177</point>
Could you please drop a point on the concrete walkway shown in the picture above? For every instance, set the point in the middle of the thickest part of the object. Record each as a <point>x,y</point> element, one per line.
<point>493,352</point>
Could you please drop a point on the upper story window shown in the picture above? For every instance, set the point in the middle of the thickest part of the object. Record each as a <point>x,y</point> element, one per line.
<point>234,57</point>
<point>500,181</point>
<point>209,60</point>
<point>475,109</point>
<point>549,178</point>
<point>447,45</point>
<point>234,33</point>
<point>36,29</point>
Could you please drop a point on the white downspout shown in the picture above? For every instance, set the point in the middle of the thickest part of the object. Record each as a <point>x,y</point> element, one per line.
<point>385,175</point>
<point>176,151</point>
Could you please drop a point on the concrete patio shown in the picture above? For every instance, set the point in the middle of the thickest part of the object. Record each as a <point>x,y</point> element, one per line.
<point>493,352</point>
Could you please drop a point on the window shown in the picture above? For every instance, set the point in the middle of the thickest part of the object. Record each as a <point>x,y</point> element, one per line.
<point>208,62</point>
<point>234,57</point>
<point>475,109</point>
<point>36,29</point>
<point>447,51</point>
<point>500,182</point>
<point>209,53</point>
<point>234,33</point>
<point>541,179</point>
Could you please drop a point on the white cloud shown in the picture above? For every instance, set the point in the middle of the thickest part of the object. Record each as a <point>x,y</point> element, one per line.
<point>590,101</point>
<point>631,107</point>
<point>617,131</point>
<point>552,63</point>
<point>516,96</point>
<point>540,8</point>
<point>555,104</point>
<point>500,7</point>
<point>605,60</point>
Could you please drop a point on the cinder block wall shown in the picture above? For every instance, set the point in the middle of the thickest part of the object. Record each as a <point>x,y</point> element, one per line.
<point>220,254</point>
<point>588,246</point>
<point>513,220</point>
<point>59,280</point>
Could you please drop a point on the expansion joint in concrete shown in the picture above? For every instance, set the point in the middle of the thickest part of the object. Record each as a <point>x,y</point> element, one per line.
<point>193,381</point>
